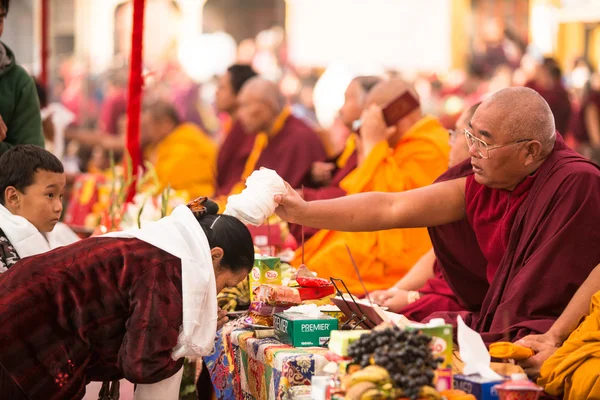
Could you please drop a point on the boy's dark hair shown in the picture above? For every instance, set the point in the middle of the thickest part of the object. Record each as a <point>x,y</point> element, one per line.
<point>19,164</point>
<point>5,4</point>
<point>240,74</point>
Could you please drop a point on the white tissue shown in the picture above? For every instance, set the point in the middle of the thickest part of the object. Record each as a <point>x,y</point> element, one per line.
<point>310,310</point>
<point>256,203</point>
<point>474,353</point>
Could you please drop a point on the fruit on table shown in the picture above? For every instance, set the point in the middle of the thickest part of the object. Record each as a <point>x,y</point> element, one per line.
<point>373,373</point>
<point>358,389</point>
<point>404,355</point>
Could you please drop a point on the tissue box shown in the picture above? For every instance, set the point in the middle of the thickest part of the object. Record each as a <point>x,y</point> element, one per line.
<point>482,388</point>
<point>441,346</point>
<point>300,330</point>
<point>266,270</point>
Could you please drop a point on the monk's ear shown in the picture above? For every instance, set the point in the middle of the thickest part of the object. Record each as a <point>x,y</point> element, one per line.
<point>533,152</point>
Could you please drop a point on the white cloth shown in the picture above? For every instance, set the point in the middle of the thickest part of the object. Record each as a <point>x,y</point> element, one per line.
<point>62,117</point>
<point>181,235</point>
<point>27,240</point>
<point>256,203</point>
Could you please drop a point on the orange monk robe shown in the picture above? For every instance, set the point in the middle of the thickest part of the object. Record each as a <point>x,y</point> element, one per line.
<point>383,257</point>
<point>574,369</point>
<point>186,160</point>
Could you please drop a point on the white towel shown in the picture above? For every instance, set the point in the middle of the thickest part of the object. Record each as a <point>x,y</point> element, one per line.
<point>256,202</point>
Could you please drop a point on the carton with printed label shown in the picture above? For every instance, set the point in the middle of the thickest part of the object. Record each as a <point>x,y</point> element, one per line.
<point>300,330</point>
<point>266,271</point>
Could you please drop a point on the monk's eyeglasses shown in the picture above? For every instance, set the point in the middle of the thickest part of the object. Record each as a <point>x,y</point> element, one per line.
<point>483,149</point>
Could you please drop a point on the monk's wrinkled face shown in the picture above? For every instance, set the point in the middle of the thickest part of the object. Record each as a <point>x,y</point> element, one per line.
<point>254,112</point>
<point>225,97</point>
<point>505,167</point>
<point>459,151</point>
<point>353,104</point>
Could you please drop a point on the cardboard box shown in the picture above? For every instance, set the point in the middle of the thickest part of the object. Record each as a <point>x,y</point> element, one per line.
<point>482,388</point>
<point>300,330</point>
<point>441,346</point>
<point>266,270</point>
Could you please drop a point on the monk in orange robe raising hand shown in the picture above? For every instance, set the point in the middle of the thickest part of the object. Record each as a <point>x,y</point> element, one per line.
<point>410,154</point>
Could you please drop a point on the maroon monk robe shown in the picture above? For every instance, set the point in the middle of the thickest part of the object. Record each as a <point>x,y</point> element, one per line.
<point>332,191</point>
<point>559,102</point>
<point>101,309</point>
<point>292,152</point>
<point>580,130</point>
<point>232,158</point>
<point>551,249</point>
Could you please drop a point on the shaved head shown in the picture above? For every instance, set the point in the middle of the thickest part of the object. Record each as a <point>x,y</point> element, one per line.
<point>517,130</point>
<point>386,91</point>
<point>523,114</point>
<point>259,104</point>
<point>264,90</point>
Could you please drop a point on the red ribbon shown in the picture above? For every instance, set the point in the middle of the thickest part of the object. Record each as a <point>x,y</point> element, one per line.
<point>134,104</point>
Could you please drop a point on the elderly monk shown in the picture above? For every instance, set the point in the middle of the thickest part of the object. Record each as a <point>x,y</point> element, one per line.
<point>408,155</point>
<point>283,143</point>
<point>423,290</point>
<point>334,171</point>
<point>183,155</point>
<point>568,354</point>
<point>237,144</point>
<point>520,215</point>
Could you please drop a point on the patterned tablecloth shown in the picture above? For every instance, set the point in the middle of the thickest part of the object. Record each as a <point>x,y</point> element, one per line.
<point>244,367</point>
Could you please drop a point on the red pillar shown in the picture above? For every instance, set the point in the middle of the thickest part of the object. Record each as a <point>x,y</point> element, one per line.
<point>135,90</point>
<point>45,15</point>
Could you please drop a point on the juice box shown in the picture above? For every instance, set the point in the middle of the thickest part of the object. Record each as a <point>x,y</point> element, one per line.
<point>441,346</point>
<point>300,330</point>
<point>266,270</point>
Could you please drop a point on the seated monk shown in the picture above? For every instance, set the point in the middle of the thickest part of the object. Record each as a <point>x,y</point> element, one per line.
<point>183,155</point>
<point>331,173</point>
<point>423,290</point>
<point>548,83</point>
<point>567,358</point>
<point>237,144</point>
<point>502,224</point>
<point>408,155</point>
<point>283,143</point>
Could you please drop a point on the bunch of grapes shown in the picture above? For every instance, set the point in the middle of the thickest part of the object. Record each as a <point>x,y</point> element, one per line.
<point>404,354</point>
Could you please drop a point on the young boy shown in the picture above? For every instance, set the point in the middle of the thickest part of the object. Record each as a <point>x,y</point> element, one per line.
<point>32,183</point>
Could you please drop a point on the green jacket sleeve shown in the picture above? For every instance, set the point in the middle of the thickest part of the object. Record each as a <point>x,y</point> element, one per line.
<point>26,125</point>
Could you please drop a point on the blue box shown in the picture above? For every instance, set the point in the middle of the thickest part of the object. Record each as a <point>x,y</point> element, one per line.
<point>482,388</point>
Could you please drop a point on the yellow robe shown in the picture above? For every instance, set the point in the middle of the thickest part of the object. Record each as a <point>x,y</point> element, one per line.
<point>186,159</point>
<point>574,369</point>
<point>383,257</point>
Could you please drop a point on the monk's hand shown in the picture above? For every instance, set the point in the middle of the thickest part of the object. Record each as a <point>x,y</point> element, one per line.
<point>291,206</point>
<point>543,346</point>
<point>374,129</point>
<point>322,172</point>
<point>222,318</point>
<point>3,129</point>
<point>397,301</point>
<point>381,296</point>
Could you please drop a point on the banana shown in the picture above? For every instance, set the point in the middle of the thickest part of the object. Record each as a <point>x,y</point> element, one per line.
<point>374,394</point>
<point>430,393</point>
<point>372,373</point>
<point>357,390</point>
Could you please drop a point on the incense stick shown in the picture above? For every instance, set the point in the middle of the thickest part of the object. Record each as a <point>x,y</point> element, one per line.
<point>358,274</point>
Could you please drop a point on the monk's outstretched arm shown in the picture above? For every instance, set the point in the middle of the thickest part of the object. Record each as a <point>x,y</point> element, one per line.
<point>433,205</point>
